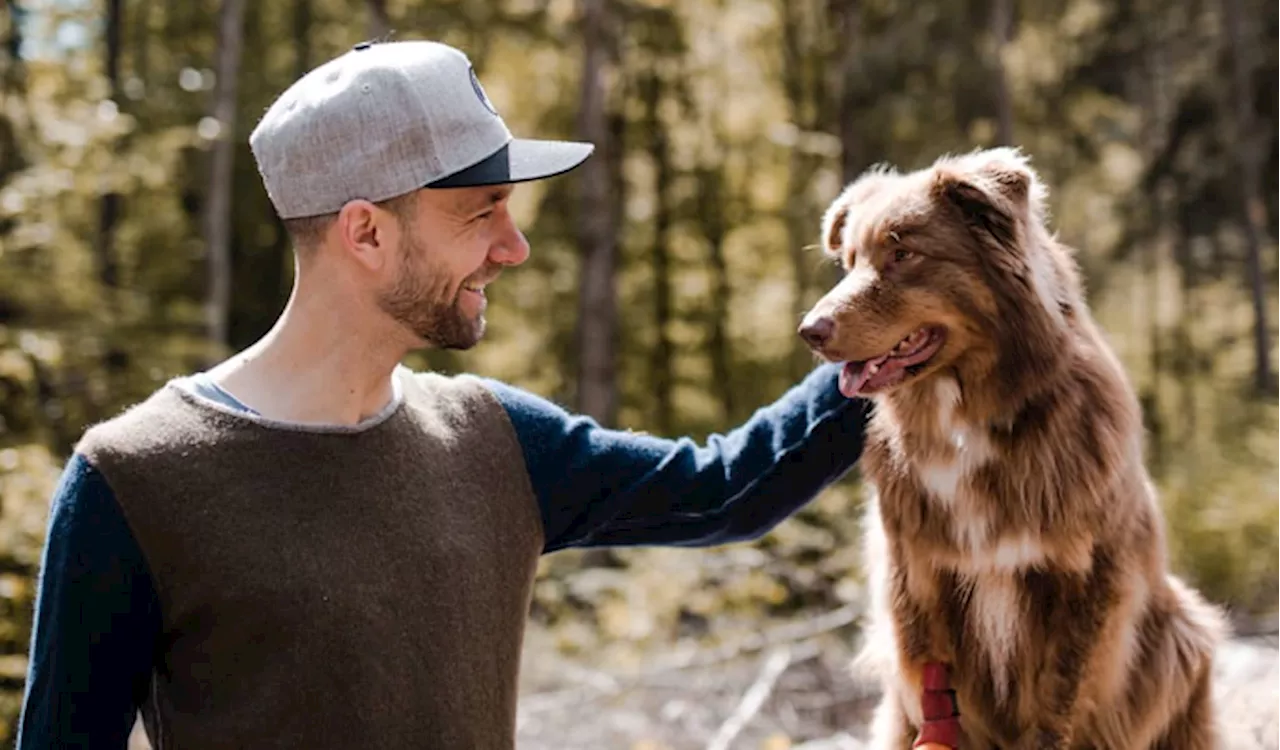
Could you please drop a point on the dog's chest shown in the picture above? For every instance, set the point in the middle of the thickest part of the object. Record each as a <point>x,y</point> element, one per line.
<point>944,459</point>
<point>961,537</point>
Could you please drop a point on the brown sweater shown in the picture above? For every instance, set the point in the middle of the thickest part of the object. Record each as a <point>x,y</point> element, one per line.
<point>377,581</point>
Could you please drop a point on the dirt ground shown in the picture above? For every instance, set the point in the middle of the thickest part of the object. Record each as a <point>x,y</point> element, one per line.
<point>786,688</point>
<point>780,693</point>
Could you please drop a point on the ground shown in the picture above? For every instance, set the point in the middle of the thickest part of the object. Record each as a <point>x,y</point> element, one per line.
<point>790,690</point>
<point>785,688</point>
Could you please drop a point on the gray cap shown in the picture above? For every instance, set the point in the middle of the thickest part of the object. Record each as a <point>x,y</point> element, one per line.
<point>388,118</point>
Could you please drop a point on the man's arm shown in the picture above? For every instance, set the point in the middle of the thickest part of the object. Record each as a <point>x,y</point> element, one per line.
<point>96,622</point>
<point>603,487</point>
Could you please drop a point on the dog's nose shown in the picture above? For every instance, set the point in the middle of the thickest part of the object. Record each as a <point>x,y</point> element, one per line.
<point>816,333</point>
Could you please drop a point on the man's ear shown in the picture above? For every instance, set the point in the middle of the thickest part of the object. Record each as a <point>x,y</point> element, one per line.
<point>363,232</point>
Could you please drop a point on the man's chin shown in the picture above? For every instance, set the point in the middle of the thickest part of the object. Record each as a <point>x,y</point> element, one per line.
<point>456,339</point>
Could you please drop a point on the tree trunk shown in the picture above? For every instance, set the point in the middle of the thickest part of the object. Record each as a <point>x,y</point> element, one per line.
<point>12,47</point>
<point>302,37</point>
<point>1150,90</point>
<point>799,173</point>
<point>1184,348</point>
<point>142,45</point>
<point>12,84</point>
<point>379,21</point>
<point>850,74</point>
<point>109,208</point>
<point>659,152</point>
<point>1253,213</point>
<point>217,219</point>
<point>597,392</point>
<point>1001,32</point>
<point>712,199</point>
<point>714,206</point>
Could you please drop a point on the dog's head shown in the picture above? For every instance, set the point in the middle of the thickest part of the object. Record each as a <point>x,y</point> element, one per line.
<point>949,268</point>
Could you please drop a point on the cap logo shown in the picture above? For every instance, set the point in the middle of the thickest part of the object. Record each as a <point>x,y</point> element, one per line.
<point>475,84</point>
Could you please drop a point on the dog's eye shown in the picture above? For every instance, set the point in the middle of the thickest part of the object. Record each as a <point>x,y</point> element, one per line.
<point>902,255</point>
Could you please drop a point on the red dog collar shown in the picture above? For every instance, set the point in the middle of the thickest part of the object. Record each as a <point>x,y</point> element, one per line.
<point>941,713</point>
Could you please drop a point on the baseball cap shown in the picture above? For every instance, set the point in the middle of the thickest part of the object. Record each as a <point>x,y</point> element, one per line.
<point>388,118</point>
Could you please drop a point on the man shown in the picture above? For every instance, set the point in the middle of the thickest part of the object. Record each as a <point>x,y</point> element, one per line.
<point>311,546</point>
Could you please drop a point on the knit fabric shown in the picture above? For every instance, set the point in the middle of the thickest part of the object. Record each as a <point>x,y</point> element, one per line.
<point>377,581</point>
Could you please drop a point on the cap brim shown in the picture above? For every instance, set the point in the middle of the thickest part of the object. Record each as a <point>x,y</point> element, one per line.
<point>520,160</point>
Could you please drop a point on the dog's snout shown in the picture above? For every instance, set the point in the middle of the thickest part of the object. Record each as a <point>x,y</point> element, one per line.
<point>817,332</point>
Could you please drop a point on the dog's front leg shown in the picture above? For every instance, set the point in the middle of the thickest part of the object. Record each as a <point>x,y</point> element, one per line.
<point>1073,609</point>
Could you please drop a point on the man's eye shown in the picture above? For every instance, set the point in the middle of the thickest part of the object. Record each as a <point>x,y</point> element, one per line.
<point>484,216</point>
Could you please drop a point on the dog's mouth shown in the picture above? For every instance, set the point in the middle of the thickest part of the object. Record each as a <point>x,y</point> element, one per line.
<point>907,359</point>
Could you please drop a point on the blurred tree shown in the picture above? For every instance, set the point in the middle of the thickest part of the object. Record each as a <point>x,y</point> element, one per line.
<point>1002,30</point>
<point>652,90</point>
<point>110,211</point>
<point>379,22</point>
<point>852,86</point>
<point>1247,140</point>
<point>221,127</point>
<point>597,310</point>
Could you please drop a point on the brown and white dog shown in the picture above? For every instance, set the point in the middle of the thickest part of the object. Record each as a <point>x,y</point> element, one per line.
<point>1016,536</point>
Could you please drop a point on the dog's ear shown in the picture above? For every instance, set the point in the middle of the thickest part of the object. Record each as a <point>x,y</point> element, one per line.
<point>836,217</point>
<point>992,190</point>
<point>833,222</point>
<point>1002,203</point>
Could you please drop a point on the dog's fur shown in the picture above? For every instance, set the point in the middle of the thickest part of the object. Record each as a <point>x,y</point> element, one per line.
<point>1015,534</point>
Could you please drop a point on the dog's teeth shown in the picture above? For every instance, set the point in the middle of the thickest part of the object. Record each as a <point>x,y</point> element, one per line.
<point>875,367</point>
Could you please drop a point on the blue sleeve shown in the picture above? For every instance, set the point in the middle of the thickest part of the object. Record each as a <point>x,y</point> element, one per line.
<point>604,487</point>
<point>96,622</point>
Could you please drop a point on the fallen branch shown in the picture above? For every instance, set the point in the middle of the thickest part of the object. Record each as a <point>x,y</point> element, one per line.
<point>804,630</point>
<point>774,665</point>
<point>842,741</point>
<point>799,635</point>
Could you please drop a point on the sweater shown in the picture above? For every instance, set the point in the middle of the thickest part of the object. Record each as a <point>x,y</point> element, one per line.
<point>245,582</point>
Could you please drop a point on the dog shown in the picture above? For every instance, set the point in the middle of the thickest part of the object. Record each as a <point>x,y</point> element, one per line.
<point>1014,534</point>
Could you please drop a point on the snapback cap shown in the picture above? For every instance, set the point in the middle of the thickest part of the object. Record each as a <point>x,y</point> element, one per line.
<point>385,119</point>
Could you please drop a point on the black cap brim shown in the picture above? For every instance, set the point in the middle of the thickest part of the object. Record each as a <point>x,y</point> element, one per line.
<point>520,160</point>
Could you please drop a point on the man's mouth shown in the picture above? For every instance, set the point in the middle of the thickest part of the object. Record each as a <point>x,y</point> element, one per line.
<point>906,359</point>
<point>476,287</point>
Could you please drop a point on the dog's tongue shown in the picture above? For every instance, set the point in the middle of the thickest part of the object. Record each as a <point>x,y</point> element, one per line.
<point>854,376</point>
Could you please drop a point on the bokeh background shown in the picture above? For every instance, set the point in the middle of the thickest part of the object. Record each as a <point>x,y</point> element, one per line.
<point>667,276</point>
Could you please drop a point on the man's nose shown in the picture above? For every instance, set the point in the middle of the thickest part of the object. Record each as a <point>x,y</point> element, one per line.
<point>512,249</point>
<point>817,332</point>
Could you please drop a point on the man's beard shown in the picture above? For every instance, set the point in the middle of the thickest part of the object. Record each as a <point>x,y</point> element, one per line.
<point>419,300</point>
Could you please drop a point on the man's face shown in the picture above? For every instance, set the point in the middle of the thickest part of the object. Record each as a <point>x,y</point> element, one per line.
<point>452,243</point>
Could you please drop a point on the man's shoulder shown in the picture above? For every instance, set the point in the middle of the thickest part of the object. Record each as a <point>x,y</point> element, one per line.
<point>459,401</point>
<point>426,388</point>
<point>161,421</point>
<point>478,390</point>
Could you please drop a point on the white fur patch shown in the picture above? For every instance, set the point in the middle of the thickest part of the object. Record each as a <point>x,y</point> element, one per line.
<point>1003,556</point>
<point>996,613</point>
<point>943,479</point>
<point>1013,554</point>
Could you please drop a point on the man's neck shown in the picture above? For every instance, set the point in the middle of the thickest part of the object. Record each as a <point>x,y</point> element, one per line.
<point>322,362</point>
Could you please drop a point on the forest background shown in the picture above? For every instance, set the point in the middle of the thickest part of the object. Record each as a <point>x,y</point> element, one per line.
<point>668,274</point>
